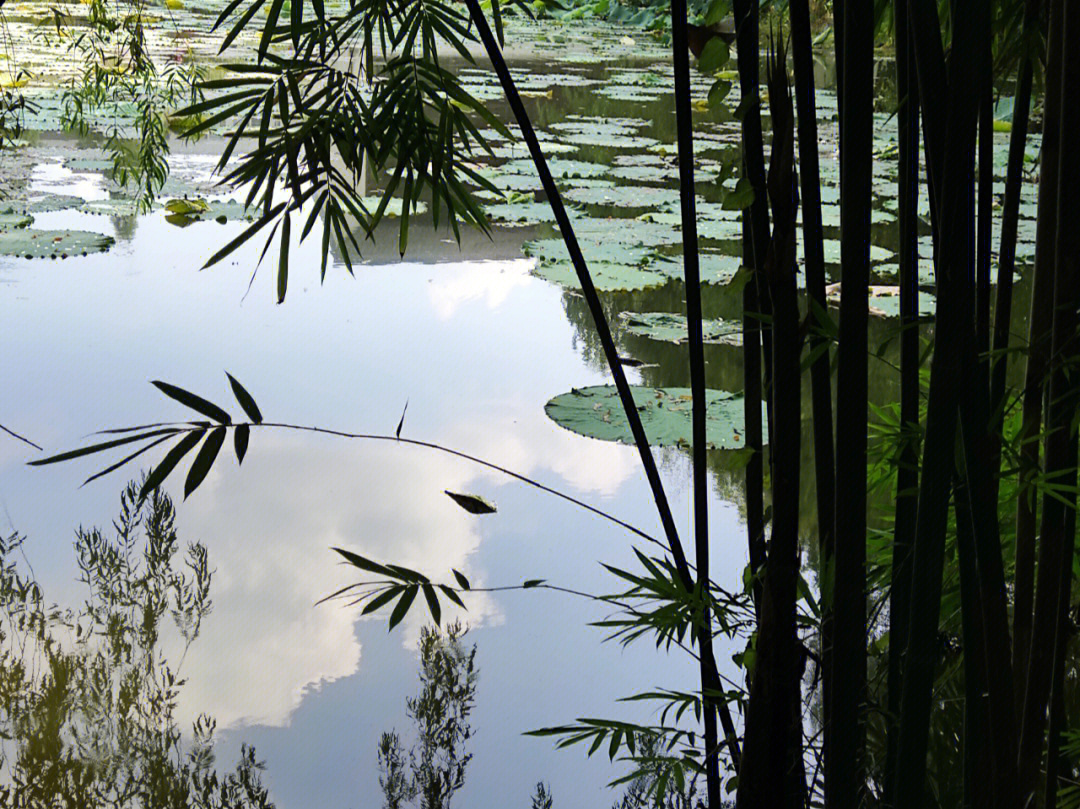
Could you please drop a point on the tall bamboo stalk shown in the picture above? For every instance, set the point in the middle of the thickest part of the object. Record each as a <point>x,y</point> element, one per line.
<point>1038,360</point>
<point>819,331</point>
<point>907,476</point>
<point>684,122</point>
<point>844,724</point>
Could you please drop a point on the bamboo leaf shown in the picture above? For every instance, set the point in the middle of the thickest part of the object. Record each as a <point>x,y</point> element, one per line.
<point>246,400</point>
<point>472,503</point>
<point>433,603</point>
<point>169,462</point>
<point>240,442</point>
<point>461,580</point>
<point>196,403</point>
<point>382,598</point>
<point>402,607</point>
<point>116,442</point>
<point>204,460</point>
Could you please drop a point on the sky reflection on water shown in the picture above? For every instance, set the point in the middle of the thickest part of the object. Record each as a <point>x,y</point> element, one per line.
<point>477,348</point>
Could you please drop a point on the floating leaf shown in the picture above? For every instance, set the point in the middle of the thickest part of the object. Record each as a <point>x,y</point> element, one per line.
<point>597,412</point>
<point>672,328</point>
<point>472,503</point>
<point>33,243</point>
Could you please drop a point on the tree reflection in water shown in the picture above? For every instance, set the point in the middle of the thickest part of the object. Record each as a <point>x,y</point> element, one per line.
<point>88,695</point>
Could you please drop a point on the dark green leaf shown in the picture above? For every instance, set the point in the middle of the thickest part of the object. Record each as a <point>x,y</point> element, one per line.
<point>125,459</point>
<point>283,258</point>
<point>204,460</point>
<point>533,583</point>
<point>382,598</point>
<point>461,580</point>
<point>240,442</point>
<point>433,603</point>
<point>246,400</point>
<point>472,503</point>
<point>169,462</point>
<point>196,403</point>
<point>356,560</point>
<point>78,453</point>
<point>402,607</point>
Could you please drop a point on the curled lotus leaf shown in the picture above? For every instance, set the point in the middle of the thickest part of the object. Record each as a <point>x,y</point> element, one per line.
<point>184,211</point>
<point>671,328</point>
<point>665,413</point>
<point>33,243</point>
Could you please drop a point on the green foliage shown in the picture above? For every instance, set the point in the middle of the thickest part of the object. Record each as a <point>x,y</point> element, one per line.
<point>88,694</point>
<point>434,769</point>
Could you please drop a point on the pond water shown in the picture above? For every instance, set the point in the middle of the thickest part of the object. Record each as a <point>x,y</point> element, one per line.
<point>477,339</point>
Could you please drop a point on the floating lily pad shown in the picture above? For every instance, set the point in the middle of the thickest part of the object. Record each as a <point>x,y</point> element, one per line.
<point>597,412</point>
<point>606,277</point>
<point>713,267</point>
<point>114,206</point>
<point>671,328</point>
<point>32,243</point>
<point>12,220</point>
<point>45,203</point>
<point>560,168</point>
<point>885,300</point>
<point>552,251</point>
<point>520,213</point>
<point>625,196</point>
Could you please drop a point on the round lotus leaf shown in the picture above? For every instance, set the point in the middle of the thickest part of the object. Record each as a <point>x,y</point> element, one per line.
<point>885,300</point>
<point>606,277</point>
<point>32,243</point>
<point>625,196</point>
<point>671,328</point>
<point>610,141</point>
<point>597,412</point>
<point>618,92</point>
<point>114,206</point>
<point>714,229</point>
<point>553,251</point>
<point>520,213</point>
<point>89,164</point>
<point>626,231</point>
<point>660,173</point>
<point>713,267</point>
<point>45,203</point>
<point>559,168</point>
<point>182,212</point>
<point>12,220</point>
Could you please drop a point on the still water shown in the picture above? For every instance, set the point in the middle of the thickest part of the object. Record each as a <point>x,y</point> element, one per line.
<point>476,344</point>
<point>477,348</point>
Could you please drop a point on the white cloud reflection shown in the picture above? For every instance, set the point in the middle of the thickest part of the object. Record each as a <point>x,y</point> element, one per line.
<point>269,530</point>
<point>487,281</point>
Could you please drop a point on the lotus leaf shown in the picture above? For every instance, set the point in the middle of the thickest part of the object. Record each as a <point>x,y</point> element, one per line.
<point>11,220</point>
<point>625,196</point>
<point>597,412</point>
<point>33,243</point>
<point>553,251</point>
<point>672,328</point>
<point>560,169</point>
<point>885,300</point>
<point>606,276</point>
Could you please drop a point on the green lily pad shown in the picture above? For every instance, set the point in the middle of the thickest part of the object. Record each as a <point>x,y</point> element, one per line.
<point>32,243</point>
<point>713,267</point>
<point>885,300</point>
<point>11,220</point>
<point>597,412</point>
<point>606,276</point>
<point>671,328</point>
<point>559,168</point>
<point>552,251</point>
<point>625,196</point>
<point>114,206</point>
<point>520,213</point>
